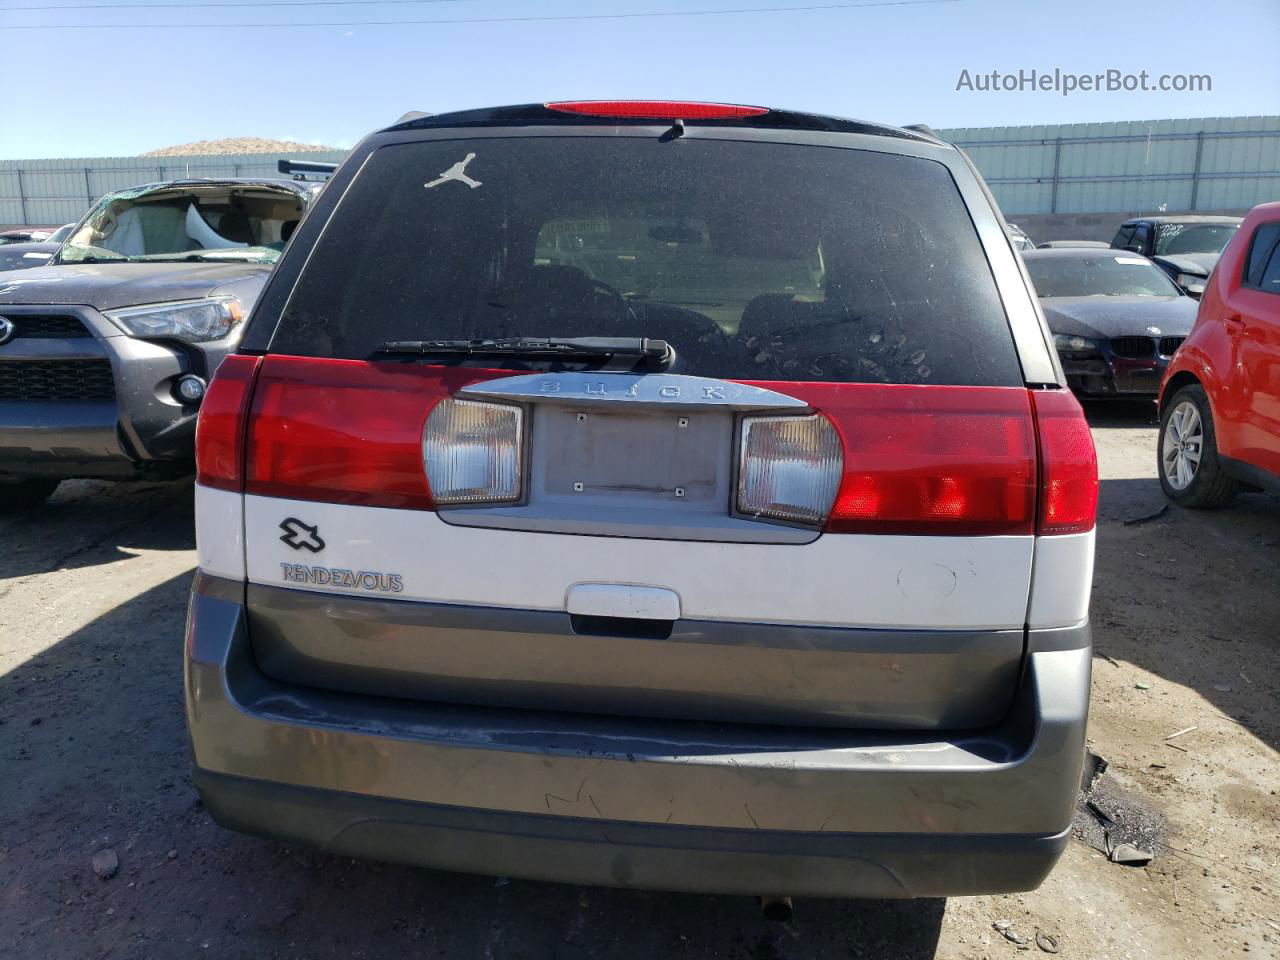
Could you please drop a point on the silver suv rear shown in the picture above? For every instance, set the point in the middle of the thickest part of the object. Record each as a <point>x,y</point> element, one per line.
<point>658,495</point>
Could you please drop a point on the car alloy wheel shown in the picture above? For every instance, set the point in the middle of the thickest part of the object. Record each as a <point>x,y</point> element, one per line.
<point>1183,445</point>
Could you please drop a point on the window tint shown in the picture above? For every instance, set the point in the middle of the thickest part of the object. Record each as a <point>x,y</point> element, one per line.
<point>1122,237</point>
<point>759,261</point>
<point>1107,275</point>
<point>1263,267</point>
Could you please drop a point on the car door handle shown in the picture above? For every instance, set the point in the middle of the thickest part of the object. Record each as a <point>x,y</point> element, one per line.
<point>1234,324</point>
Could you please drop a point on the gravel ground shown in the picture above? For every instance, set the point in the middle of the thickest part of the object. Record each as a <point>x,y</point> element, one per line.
<point>93,757</point>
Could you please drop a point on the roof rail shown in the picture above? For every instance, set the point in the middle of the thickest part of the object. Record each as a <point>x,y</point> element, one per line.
<point>298,169</point>
<point>925,129</point>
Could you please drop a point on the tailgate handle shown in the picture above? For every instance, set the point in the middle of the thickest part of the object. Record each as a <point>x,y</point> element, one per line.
<point>623,600</point>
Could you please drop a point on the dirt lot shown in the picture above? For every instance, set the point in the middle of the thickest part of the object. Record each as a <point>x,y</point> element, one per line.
<point>93,756</point>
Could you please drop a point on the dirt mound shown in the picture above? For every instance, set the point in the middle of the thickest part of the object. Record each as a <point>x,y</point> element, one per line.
<point>236,145</point>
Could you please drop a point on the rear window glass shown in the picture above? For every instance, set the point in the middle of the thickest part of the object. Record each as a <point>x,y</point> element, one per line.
<point>757,261</point>
<point>1106,275</point>
<point>1263,269</point>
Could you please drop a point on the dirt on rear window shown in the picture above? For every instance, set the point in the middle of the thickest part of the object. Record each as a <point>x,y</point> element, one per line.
<point>758,261</point>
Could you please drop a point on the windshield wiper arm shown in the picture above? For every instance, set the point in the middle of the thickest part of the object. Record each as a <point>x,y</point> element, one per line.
<point>639,347</point>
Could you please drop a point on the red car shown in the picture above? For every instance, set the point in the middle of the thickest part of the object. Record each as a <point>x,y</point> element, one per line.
<point>1220,398</point>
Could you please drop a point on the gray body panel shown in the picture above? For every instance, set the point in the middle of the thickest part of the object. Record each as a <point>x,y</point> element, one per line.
<point>703,806</point>
<point>745,673</point>
<point>609,853</point>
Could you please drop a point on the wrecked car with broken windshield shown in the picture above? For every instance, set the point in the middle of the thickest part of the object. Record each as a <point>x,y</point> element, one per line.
<point>105,352</point>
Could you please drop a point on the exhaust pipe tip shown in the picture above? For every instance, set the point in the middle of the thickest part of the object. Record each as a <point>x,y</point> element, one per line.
<point>776,909</point>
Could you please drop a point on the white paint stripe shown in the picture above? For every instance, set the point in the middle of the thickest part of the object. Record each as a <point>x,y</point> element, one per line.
<point>849,580</point>
<point>220,532</point>
<point>1063,580</point>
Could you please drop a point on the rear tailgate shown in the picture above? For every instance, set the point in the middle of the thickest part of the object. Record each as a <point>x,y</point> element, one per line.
<point>920,628</point>
<point>824,511</point>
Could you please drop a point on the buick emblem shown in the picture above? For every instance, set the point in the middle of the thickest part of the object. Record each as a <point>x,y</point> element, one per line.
<point>301,536</point>
<point>6,330</point>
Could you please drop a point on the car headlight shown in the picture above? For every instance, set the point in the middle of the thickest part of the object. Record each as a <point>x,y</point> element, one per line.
<point>194,321</point>
<point>1064,342</point>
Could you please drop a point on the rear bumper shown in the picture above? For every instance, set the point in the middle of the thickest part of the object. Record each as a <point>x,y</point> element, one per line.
<point>636,855</point>
<point>639,803</point>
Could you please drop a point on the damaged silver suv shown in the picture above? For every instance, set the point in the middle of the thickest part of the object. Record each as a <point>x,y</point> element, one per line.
<point>660,495</point>
<point>105,353</point>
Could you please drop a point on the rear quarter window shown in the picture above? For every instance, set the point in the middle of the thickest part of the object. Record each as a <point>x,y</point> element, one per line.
<point>755,260</point>
<point>1262,269</point>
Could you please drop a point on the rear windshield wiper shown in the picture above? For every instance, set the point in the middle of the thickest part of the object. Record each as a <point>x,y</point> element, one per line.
<point>638,347</point>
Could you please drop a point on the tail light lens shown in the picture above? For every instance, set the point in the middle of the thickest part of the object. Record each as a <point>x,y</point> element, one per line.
<point>221,425</point>
<point>345,431</point>
<point>473,452</point>
<point>929,460</point>
<point>1068,465</point>
<point>789,468</point>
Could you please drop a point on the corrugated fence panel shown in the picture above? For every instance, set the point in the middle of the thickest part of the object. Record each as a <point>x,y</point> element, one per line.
<point>1238,192</point>
<point>1022,197</point>
<point>55,211</point>
<point>1213,163</point>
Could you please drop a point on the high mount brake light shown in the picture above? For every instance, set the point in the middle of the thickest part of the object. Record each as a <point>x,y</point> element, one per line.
<point>657,109</point>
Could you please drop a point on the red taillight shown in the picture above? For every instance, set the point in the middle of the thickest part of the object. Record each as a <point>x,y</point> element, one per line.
<point>1068,465</point>
<point>657,109</point>
<point>345,431</point>
<point>938,460</point>
<point>220,427</point>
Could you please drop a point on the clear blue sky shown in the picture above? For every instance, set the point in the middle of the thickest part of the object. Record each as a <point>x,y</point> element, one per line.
<point>122,91</point>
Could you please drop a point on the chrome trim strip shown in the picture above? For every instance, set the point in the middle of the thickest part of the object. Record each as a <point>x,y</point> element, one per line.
<point>666,390</point>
